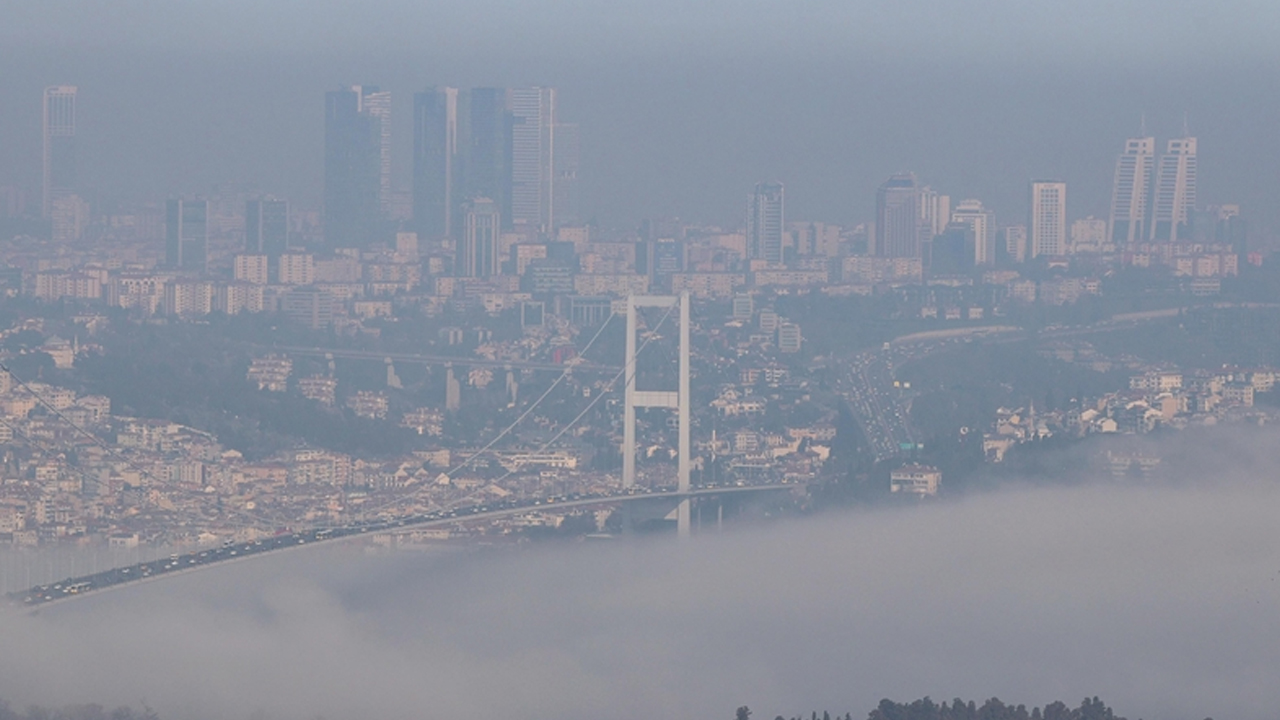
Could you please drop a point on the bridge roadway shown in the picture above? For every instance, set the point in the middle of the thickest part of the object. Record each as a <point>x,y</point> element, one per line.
<point>443,359</point>
<point>71,588</point>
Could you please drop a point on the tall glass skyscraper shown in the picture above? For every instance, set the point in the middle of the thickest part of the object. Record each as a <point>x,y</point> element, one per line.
<point>564,193</point>
<point>59,125</point>
<point>435,156</point>
<point>899,220</point>
<point>533,116</point>
<point>1175,191</point>
<point>487,170</point>
<point>187,235</point>
<point>1131,191</point>
<point>765,221</point>
<point>357,164</point>
<point>266,227</point>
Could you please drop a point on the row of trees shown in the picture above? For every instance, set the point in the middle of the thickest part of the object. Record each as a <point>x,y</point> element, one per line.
<point>993,709</point>
<point>76,712</point>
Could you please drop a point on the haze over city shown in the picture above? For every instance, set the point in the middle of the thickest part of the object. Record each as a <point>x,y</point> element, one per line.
<point>913,360</point>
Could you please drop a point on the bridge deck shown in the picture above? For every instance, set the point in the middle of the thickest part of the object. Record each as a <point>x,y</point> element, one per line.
<point>71,588</point>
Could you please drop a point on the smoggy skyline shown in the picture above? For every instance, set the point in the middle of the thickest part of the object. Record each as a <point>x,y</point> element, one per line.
<point>681,110</point>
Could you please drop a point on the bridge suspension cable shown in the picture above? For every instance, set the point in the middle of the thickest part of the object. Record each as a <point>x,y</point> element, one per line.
<point>609,386</point>
<point>507,430</point>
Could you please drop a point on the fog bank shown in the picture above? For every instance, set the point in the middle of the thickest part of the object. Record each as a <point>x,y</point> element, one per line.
<point>1162,601</point>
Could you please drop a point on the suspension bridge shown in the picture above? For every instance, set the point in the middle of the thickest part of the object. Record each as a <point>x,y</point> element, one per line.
<point>674,501</point>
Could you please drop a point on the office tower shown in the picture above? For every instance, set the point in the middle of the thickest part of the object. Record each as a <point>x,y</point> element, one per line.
<point>935,213</point>
<point>435,157</point>
<point>478,252</point>
<point>1175,191</point>
<point>564,191</point>
<point>953,250</point>
<point>1132,190</point>
<point>70,217</point>
<point>533,115</point>
<point>899,222</point>
<point>1048,226</point>
<point>765,222</point>
<point>266,227</point>
<point>59,145</point>
<point>186,234</point>
<point>1015,243</point>
<point>487,170</point>
<point>983,223</point>
<point>356,155</point>
<point>377,104</point>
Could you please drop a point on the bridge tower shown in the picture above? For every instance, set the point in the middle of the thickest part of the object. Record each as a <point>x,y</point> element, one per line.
<point>678,400</point>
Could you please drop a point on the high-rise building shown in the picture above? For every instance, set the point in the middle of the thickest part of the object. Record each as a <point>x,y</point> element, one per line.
<point>1131,191</point>
<point>564,192</point>
<point>435,162</point>
<point>953,250</point>
<point>487,146</point>
<point>983,224</point>
<point>59,127</point>
<point>478,251</point>
<point>765,210</point>
<point>899,223</point>
<point>187,235</point>
<point>266,226</point>
<point>1048,225</point>
<point>1175,191</point>
<point>533,117</point>
<point>935,213</point>
<point>356,164</point>
<point>377,104</point>
<point>1015,243</point>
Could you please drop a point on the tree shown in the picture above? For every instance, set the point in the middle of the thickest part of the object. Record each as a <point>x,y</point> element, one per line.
<point>744,713</point>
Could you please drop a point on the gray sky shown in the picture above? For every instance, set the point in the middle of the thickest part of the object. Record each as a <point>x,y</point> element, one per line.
<point>683,105</point>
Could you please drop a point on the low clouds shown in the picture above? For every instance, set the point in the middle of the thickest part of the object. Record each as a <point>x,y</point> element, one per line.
<point>1162,600</point>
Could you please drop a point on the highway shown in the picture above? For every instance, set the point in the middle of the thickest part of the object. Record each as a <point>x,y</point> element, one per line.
<point>441,359</point>
<point>70,588</point>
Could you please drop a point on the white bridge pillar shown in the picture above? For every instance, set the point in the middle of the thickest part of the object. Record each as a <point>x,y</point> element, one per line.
<point>678,400</point>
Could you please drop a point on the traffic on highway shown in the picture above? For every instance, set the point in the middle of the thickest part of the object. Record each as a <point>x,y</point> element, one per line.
<point>286,539</point>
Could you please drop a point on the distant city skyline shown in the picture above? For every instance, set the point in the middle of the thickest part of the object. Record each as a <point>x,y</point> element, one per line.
<point>1166,211</point>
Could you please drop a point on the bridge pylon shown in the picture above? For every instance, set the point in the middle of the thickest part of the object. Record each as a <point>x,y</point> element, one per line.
<point>678,400</point>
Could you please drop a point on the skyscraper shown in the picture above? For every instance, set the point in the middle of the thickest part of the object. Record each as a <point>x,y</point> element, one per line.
<point>478,251</point>
<point>1048,225</point>
<point>765,208</point>
<point>1132,190</point>
<point>266,227</point>
<point>899,221</point>
<point>356,164</point>
<point>186,235</point>
<point>983,224</point>
<point>435,156</point>
<point>935,213</point>
<point>1175,191</point>
<point>564,193</point>
<point>533,116</point>
<point>377,104</point>
<point>487,144</point>
<point>59,126</point>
